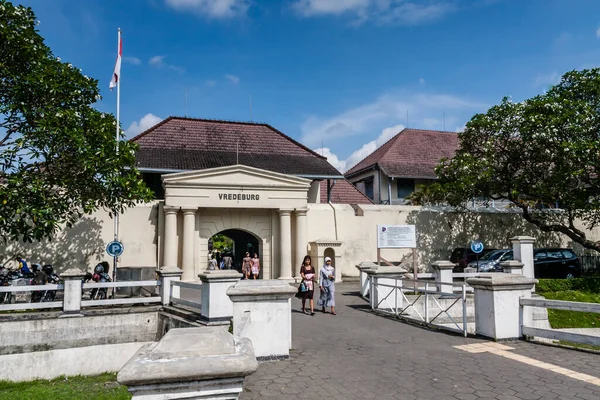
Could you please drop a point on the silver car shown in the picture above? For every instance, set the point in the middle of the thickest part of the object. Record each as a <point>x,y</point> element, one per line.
<point>490,262</point>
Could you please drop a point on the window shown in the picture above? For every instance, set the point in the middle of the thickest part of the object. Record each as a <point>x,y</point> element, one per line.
<point>405,187</point>
<point>541,255</point>
<point>555,254</point>
<point>369,188</point>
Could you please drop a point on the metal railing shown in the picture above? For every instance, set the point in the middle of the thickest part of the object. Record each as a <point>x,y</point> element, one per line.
<point>176,297</point>
<point>120,301</point>
<point>429,291</point>
<point>8,295</point>
<point>560,334</point>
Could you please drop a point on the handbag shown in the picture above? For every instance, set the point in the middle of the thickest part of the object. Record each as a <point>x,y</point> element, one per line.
<point>303,287</point>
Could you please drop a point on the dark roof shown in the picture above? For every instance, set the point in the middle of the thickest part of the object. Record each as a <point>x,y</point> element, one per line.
<point>411,153</point>
<point>189,144</point>
<point>343,192</point>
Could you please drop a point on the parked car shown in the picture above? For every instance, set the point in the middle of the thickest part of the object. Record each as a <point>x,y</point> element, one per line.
<point>462,256</point>
<point>490,262</point>
<point>556,263</point>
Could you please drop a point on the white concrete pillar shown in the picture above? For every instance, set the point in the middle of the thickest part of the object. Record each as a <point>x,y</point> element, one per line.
<point>498,313</point>
<point>512,267</point>
<point>301,240</point>
<point>217,308</point>
<point>443,274</point>
<point>262,313</point>
<point>170,239</point>
<point>285,246</point>
<point>72,291</point>
<point>189,227</point>
<point>523,251</point>
<point>166,275</point>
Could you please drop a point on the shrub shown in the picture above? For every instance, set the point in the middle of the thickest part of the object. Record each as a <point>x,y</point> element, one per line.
<point>591,285</point>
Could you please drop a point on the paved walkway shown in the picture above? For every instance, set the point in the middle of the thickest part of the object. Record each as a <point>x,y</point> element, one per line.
<point>359,355</point>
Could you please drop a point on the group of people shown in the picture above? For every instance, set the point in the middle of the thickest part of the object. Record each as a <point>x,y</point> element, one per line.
<point>250,266</point>
<point>325,278</point>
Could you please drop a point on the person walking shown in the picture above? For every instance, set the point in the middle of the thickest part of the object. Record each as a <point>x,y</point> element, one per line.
<point>309,276</point>
<point>212,263</point>
<point>255,266</point>
<point>246,266</point>
<point>227,261</point>
<point>327,286</point>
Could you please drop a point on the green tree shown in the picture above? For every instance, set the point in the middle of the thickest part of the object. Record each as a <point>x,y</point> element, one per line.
<point>536,154</point>
<point>221,242</point>
<point>57,152</point>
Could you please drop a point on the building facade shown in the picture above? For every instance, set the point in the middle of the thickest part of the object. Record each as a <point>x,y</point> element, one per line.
<point>396,169</point>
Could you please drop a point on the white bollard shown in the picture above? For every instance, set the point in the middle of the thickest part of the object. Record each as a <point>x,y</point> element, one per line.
<point>166,275</point>
<point>73,282</point>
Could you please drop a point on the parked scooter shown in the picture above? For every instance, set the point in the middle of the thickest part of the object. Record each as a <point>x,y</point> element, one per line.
<point>5,297</point>
<point>44,276</point>
<point>100,275</point>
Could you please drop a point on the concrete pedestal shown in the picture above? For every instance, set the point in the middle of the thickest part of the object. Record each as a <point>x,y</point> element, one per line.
<point>443,274</point>
<point>385,297</point>
<point>514,267</point>
<point>498,314</point>
<point>217,308</point>
<point>190,363</point>
<point>166,275</point>
<point>262,313</point>
<point>364,281</point>
<point>523,251</point>
<point>72,291</point>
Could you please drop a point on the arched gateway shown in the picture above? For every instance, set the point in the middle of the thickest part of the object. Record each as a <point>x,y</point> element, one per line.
<point>268,205</point>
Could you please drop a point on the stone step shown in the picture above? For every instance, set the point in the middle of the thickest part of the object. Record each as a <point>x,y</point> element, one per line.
<point>184,312</point>
<point>350,279</point>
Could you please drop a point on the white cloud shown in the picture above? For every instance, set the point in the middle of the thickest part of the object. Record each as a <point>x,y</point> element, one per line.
<point>405,12</point>
<point>211,83</point>
<point>548,79</point>
<point>421,81</point>
<point>233,78</point>
<point>147,121</point>
<point>364,151</point>
<point>219,9</point>
<point>390,109</point>
<point>132,60</point>
<point>159,62</point>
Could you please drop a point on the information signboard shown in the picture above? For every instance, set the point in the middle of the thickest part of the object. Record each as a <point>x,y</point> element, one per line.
<point>396,237</point>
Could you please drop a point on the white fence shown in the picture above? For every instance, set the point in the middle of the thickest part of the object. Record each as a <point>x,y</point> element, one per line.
<point>420,301</point>
<point>175,294</point>
<point>560,334</point>
<point>18,298</point>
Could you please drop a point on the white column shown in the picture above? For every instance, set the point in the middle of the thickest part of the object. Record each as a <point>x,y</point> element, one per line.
<point>301,240</point>
<point>72,291</point>
<point>443,274</point>
<point>170,239</point>
<point>285,247</point>
<point>523,251</point>
<point>189,227</point>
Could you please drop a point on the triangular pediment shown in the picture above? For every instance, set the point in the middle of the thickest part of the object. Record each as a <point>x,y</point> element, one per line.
<point>235,176</point>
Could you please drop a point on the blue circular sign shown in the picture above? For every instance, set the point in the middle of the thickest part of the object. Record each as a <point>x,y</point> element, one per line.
<point>477,246</point>
<point>115,248</point>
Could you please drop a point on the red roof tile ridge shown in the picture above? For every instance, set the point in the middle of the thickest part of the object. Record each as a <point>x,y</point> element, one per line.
<point>232,122</point>
<point>392,139</point>
<point>427,130</point>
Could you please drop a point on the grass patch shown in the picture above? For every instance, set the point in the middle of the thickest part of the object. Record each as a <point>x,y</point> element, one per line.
<point>102,387</point>
<point>573,319</point>
<point>580,345</point>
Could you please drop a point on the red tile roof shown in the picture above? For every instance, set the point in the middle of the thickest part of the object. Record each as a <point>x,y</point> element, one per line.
<point>343,192</point>
<point>412,153</point>
<point>187,143</point>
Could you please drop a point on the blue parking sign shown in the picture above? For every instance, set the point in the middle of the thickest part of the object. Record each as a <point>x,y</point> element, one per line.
<point>477,246</point>
<point>115,248</point>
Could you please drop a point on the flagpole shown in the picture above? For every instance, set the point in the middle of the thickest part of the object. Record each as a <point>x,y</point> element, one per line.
<point>117,135</point>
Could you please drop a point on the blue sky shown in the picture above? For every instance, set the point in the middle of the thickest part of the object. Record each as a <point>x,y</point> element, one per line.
<point>339,72</point>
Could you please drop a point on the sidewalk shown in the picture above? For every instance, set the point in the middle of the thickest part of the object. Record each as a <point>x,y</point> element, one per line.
<point>359,355</point>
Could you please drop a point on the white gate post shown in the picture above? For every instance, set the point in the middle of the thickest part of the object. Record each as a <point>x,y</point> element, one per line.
<point>523,251</point>
<point>73,281</point>
<point>443,274</point>
<point>166,275</point>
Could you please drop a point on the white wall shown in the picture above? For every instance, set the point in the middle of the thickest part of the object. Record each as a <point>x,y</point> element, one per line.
<point>91,360</point>
<point>84,245</point>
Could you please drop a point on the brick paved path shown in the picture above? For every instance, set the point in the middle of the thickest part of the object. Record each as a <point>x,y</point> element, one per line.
<point>359,355</point>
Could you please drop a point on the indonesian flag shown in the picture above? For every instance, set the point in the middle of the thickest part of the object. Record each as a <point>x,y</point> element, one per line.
<point>117,73</point>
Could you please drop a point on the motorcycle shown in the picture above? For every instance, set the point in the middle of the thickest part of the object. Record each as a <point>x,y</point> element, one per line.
<point>100,275</point>
<point>5,278</point>
<point>44,276</point>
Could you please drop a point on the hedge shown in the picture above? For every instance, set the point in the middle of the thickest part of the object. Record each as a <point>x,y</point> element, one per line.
<point>591,285</point>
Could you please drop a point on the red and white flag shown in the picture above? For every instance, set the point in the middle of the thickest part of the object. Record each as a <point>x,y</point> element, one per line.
<point>117,73</point>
